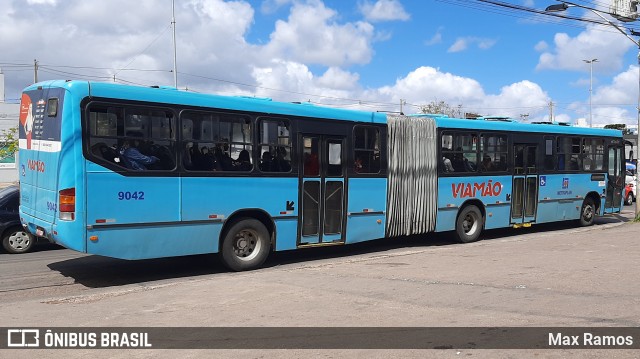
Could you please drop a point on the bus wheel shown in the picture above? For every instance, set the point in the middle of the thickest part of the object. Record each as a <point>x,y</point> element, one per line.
<point>17,240</point>
<point>587,213</point>
<point>246,245</point>
<point>469,224</point>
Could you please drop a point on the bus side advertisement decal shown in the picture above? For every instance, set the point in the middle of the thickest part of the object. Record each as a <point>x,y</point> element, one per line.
<point>484,189</point>
<point>40,128</point>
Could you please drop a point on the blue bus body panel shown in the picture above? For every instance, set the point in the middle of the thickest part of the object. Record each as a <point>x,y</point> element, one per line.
<point>493,192</point>
<point>222,197</point>
<point>55,163</point>
<point>366,206</point>
<point>561,195</point>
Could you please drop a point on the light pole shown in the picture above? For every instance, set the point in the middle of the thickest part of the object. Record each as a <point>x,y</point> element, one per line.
<point>590,62</point>
<point>564,5</point>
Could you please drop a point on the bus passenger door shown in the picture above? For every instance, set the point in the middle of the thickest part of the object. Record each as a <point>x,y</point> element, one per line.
<point>322,187</point>
<point>615,180</point>
<point>524,195</point>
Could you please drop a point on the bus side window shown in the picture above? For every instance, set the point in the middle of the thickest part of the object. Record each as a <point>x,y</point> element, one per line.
<point>274,145</point>
<point>366,151</point>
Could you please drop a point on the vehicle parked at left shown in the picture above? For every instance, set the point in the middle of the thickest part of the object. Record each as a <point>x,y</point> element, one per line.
<point>15,239</point>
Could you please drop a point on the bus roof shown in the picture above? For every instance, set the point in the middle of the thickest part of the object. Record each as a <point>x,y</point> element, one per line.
<point>504,124</point>
<point>171,96</point>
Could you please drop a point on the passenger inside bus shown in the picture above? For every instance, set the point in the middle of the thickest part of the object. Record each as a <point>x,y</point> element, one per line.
<point>266,162</point>
<point>487,164</point>
<point>244,161</point>
<point>459,162</point>
<point>132,158</point>
<point>281,161</point>
<point>446,163</point>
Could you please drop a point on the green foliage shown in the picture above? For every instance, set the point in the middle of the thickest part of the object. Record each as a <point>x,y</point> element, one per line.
<point>441,107</point>
<point>9,139</point>
<point>619,126</point>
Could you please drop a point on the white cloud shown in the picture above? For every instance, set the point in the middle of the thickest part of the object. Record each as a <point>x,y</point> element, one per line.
<point>608,47</point>
<point>41,2</point>
<point>462,43</point>
<point>623,89</point>
<point>427,84</point>
<point>541,46</point>
<point>337,78</point>
<point>436,38</point>
<point>308,54</point>
<point>384,10</point>
<point>514,97</point>
<point>312,35</point>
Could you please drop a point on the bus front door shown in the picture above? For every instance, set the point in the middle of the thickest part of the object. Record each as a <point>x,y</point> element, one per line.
<point>322,188</point>
<point>615,180</point>
<point>524,193</point>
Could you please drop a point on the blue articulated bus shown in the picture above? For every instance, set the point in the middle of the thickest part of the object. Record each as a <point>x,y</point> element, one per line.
<point>133,172</point>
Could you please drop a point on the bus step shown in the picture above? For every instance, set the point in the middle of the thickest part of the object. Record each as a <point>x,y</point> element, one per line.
<point>522,225</point>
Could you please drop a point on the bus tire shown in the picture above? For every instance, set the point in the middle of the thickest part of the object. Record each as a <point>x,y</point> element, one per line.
<point>17,240</point>
<point>469,224</point>
<point>246,245</point>
<point>587,212</point>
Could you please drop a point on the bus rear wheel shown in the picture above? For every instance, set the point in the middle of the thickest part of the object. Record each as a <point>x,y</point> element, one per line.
<point>469,224</point>
<point>246,245</point>
<point>587,212</point>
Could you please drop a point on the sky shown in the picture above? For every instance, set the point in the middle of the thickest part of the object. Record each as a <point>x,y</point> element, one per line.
<point>374,55</point>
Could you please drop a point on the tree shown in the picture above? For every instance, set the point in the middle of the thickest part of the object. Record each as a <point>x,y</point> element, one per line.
<point>619,126</point>
<point>9,140</point>
<point>441,107</point>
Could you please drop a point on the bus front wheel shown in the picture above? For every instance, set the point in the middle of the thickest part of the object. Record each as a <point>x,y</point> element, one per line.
<point>469,224</point>
<point>246,245</point>
<point>587,212</point>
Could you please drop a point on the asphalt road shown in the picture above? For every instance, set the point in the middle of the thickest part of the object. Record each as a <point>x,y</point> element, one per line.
<point>547,275</point>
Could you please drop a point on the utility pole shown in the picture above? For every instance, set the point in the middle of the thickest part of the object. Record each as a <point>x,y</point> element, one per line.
<point>175,55</point>
<point>401,104</point>
<point>590,62</point>
<point>35,71</point>
<point>550,111</point>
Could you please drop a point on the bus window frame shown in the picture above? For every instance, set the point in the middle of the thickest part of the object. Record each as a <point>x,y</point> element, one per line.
<point>353,150</point>
<point>120,136</point>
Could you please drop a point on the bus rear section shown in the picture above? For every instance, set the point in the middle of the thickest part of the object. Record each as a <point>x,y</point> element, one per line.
<point>47,180</point>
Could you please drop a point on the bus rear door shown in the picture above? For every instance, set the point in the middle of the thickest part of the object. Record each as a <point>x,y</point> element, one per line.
<point>524,195</point>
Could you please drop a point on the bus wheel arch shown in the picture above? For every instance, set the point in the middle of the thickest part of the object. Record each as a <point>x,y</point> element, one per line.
<point>246,240</point>
<point>470,222</point>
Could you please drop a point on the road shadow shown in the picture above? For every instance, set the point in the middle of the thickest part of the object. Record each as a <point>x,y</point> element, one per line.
<point>98,272</point>
<point>95,271</point>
